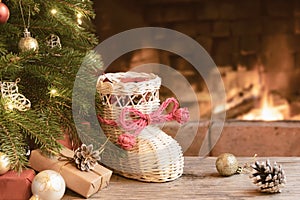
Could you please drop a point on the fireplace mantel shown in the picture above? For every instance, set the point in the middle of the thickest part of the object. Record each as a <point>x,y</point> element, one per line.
<point>242,138</point>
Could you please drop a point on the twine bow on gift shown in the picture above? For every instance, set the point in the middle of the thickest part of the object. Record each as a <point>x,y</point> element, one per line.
<point>84,157</point>
<point>138,120</point>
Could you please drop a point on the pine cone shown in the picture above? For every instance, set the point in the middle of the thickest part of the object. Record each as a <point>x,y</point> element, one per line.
<point>269,179</point>
<point>85,158</point>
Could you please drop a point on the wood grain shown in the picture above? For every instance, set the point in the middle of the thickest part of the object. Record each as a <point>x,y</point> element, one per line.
<point>201,181</point>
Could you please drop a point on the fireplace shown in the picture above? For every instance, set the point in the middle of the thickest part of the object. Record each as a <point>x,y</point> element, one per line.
<point>255,44</point>
<point>256,47</point>
<point>259,94</point>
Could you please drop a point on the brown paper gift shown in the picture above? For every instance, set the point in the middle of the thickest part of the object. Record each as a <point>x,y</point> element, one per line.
<point>14,186</point>
<point>81,182</point>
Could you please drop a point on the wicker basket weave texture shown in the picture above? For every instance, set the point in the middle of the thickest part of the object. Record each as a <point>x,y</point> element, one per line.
<point>157,157</point>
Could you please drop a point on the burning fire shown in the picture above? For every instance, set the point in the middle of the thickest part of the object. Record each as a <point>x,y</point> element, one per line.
<point>267,112</point>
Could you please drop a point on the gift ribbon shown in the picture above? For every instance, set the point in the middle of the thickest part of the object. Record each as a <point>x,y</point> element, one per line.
<point>140,120</point>
<point>71,160</point>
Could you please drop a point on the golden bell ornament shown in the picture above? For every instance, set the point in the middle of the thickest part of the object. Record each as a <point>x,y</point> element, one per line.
<point>227,164</point>
<point>4,163</point>
<point>28,43</point>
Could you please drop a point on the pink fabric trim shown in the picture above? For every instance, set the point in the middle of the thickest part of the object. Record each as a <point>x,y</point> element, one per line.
<point>141,120</point>
<point>127,141</point>
<point>138,120</point>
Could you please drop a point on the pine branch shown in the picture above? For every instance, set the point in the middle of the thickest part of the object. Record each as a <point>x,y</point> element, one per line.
<point>13,145</point>
<point>36,128</point>
<point>43,70</point>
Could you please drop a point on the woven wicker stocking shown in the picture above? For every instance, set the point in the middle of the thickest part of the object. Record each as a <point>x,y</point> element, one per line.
<point>150,154</point>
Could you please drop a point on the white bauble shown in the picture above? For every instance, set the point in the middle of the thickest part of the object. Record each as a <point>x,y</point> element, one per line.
<point>4,163</point>
<point>48,185</point>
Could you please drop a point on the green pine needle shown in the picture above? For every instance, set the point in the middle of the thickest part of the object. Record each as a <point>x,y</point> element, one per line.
<point>43,72</point>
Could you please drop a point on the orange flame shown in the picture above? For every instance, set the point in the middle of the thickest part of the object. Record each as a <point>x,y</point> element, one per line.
<point>267,112</point>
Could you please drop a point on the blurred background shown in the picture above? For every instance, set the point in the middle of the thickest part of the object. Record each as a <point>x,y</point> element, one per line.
<point>255,45</point>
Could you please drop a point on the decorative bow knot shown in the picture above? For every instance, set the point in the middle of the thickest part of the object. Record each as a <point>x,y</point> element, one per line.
<point>140,120</point>
<point>127,141</point>
<point>137,120</point>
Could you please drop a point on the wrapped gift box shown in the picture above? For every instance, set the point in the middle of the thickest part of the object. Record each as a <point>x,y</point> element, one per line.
<point>15,186</point>
<point>81,182</point>
<point>66,142</point>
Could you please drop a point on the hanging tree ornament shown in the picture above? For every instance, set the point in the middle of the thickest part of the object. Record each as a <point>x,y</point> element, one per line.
<point>53,41</point>
<point>4,13</point>
<point>27,43</point>
<point>12,98</point>
<point>4,163</point>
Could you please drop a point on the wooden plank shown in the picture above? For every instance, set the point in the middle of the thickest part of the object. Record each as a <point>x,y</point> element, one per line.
<point>201,181</point>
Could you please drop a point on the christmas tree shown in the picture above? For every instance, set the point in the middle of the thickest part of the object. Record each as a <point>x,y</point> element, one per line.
<point>42,46</point>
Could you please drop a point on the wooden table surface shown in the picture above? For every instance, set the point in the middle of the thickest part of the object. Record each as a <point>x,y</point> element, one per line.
<point>200,180</point>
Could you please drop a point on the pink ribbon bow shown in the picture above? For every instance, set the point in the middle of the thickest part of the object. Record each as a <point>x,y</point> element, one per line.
<point>138,120</point>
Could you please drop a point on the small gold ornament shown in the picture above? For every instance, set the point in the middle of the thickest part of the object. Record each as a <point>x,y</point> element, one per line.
<point>4,163</point>
<point>28,43</point>
<point>227,164</point>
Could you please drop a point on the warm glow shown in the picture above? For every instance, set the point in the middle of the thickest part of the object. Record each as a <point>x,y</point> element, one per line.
<point>267,112</point>
<point>79,15</point>
<point>10,106</point>
<point>53,11</point>
<point>53,92</point>
<point>79,21</point>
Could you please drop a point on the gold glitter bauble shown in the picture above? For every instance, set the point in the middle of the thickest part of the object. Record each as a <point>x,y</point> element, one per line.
<point>28,43</point>
<point>227,164</point>
<point>4,163</point>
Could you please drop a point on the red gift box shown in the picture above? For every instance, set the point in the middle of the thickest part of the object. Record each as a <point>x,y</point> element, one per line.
<point>14,186</point>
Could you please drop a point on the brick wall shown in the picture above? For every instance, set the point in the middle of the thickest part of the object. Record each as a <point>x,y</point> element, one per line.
<point>232,31</point>
<point>235,33</point>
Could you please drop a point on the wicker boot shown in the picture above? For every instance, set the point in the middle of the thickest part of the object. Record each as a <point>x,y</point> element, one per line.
<point>150,154</point>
